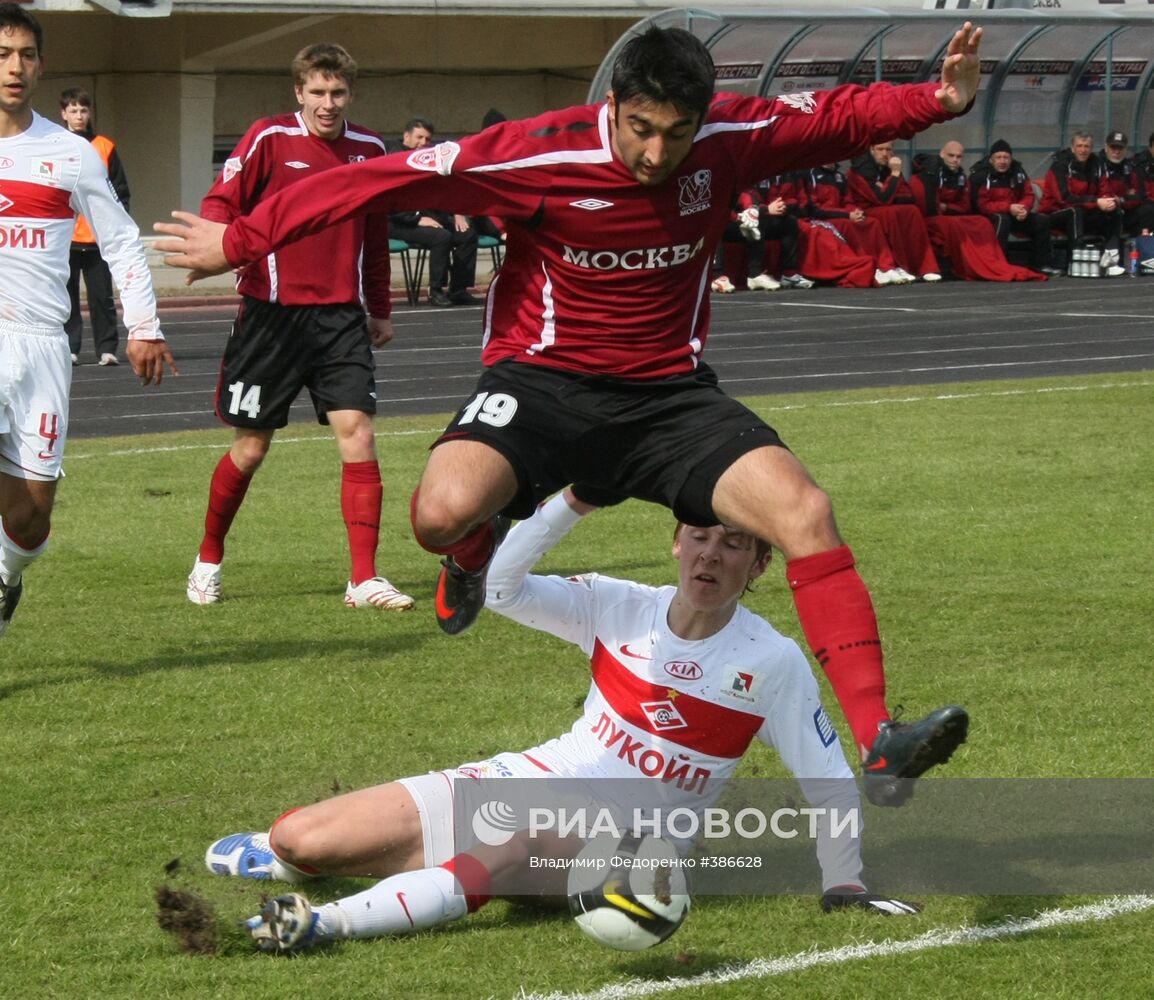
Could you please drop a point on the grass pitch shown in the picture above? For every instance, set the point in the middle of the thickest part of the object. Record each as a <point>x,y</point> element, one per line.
<point>1004,528</point>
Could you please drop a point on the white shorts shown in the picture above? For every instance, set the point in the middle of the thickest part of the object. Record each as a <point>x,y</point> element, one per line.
<point>433,795</point>
<point>35,378</point>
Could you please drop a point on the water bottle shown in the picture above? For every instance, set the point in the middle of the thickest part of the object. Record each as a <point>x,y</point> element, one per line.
<point>1133,269</point>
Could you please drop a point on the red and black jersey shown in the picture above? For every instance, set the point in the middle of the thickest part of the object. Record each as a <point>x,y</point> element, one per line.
<point>602,274</point>
<point>939,189</point>
<point>341,264</point>
<point>1144,162</point>
<point>1120,180</point>
<point>826,193</point>
<point>994,191</point>
<point>783,186</point>
<point>1070,183</point>
<point>872,184</point>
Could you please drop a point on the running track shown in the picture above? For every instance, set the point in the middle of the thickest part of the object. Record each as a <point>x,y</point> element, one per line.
<point>761,343</point>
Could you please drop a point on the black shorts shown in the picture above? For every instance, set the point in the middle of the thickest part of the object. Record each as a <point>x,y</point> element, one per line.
<point>666,441</point>
<point>274,351</point>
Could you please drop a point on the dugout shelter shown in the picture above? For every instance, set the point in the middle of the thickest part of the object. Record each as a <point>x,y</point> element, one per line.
<point>176,82</point>
<point>1045,72</point>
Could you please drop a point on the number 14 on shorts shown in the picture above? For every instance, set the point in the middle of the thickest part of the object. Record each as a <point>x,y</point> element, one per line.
<point>244,399</point>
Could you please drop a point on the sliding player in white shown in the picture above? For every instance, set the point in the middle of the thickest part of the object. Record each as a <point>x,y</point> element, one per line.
<point>647,717</point>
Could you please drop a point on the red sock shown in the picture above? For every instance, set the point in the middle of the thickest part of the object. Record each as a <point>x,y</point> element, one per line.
<point>470,552</point>
<point>838,619</point>
<point>472,877</point>
<point>361,493</point>
<point>225,495</point>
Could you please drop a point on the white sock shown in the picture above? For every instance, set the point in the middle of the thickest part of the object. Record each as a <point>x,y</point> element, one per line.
<point>14,558</point>
<point>400,904</point>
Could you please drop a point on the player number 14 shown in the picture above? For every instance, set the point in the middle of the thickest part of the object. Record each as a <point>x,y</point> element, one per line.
<point>246,399</point>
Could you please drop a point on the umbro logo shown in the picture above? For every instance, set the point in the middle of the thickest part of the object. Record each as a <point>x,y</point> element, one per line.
<point>296,164</point>
<point>591,204</point>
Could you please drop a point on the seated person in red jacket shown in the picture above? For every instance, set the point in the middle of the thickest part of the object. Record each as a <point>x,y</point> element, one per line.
<point>1120,179</point>
<point>1002,192</point>
<point>877,185</point>
<point>827,199</point>
<point>965,238</point>
<point>1144,161</point>
<point>766,212</point>
<point>1071,197</point>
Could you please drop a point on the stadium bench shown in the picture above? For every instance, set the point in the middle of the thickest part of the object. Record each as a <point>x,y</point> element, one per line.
<point>412,266</point>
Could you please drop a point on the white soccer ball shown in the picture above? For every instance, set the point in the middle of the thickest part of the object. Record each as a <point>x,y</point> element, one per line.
<point>629,893</point>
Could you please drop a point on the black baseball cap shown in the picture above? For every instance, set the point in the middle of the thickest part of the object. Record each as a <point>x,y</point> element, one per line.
<point>1116,139</point>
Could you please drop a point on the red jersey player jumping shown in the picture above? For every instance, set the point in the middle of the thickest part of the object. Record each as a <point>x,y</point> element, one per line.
<point>596,325</point>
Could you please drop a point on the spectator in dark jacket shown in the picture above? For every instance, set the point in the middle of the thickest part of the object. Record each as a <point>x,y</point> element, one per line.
<point>957,232</point>
<point>1120,179</point>
<point>827,199</point>
<point>84,258</point>
<point>450,239</point>
<point>877,185</point>
<point>1144,161</point>
<point>1070,196</point>
<point>1001,190</point>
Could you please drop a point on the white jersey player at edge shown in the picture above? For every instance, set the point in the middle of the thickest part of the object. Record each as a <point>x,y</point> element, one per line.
<point>751,683</point>
<point>48,176</point>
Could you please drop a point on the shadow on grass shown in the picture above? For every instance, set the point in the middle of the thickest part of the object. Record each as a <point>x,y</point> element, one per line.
<point>230,653</point>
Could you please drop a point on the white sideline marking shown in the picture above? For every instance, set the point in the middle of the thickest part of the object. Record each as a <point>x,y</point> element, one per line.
<point>217,445</point>
<point>940,937</point>
<point>833,404</point>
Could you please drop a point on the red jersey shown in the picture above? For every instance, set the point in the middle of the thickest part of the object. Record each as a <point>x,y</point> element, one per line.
<point>322,269</point>
<point>784,186</point>
<point>995,191</point>
<point>827,194</point>
<point>872,185</point>
<point>1070,183</point>
<point>602,274</point>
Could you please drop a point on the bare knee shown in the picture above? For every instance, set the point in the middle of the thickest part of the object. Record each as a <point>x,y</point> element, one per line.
<point>28,525</point>
<point>26,506</point>
<point>810,526</point>
<point>360,445</point>
<point>294,839</point>
<point>440,519</point>
<point>372,832</point>
<point>248,452</point>
<point>354,433</point>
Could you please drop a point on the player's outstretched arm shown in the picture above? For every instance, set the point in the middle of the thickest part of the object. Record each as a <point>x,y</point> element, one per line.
<point>195,243</point>
<point>961,69</point>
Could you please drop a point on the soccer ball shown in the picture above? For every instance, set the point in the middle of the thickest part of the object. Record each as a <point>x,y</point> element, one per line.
<point>628,893</point>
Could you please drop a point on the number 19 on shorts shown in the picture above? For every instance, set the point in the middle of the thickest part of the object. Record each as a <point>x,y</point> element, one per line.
<point>244,399</point>
<point>493,408</point>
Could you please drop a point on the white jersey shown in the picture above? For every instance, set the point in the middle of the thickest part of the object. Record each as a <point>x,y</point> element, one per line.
<point>682,712</point>
<point>48,176</point>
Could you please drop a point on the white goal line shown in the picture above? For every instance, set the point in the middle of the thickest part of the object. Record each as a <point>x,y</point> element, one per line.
<point>940,937</point>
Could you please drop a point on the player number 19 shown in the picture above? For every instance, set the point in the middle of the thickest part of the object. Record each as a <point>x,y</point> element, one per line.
<point>244,399</point>
<point>493,408</point>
